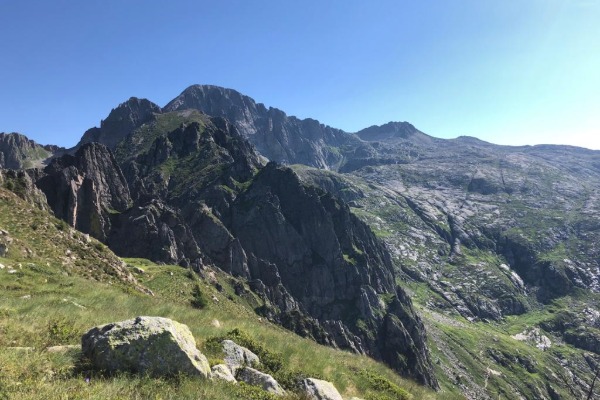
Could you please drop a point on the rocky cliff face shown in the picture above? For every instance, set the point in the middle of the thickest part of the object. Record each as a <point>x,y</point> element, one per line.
<point>278,137</point>
<point>85,189</point>
<point>17,152</point>
<point>305,244</point>
<point>22,183</point>
<point>182,184</point>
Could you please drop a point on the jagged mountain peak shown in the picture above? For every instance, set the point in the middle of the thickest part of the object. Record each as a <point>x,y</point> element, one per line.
<point>16,138</point>
<point>276,135</point>
<point>121,121</point>
<point>218,101</point>
<point>207,88</point>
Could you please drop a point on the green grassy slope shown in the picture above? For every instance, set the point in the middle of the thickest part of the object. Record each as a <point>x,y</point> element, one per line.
<point>56,284</point>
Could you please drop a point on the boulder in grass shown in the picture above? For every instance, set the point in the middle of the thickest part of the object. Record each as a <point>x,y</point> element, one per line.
<point>317,389</point>
<point>236,356</point>
<point>147,345</point>
<point>222,372</point>
<point>260,379</point>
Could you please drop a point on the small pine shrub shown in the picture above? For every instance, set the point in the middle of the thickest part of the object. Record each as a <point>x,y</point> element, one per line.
<point>390,390</point>
<point>199,299</point>
<point>16,186</point>
<point>192,275</point>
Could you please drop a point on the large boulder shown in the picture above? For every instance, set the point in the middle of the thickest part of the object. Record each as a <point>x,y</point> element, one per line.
<point>149,345</point>
<point>237,356</point>
<point>257,378</point>
<point>317,389</point>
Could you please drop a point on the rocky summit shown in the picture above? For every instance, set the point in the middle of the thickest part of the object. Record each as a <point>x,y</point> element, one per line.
<point>468,267</point>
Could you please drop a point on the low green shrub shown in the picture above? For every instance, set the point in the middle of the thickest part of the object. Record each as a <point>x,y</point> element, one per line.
<point>390,390</point>
<point>248,392</point>
<point>199,299</point>
<point>61,331</point>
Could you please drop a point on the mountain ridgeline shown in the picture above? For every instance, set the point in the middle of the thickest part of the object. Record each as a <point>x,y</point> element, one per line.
<point>387,242</point>
<point>191,190</point>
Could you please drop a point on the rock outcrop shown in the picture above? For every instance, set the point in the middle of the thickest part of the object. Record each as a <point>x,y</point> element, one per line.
<point>254,377</point>
<point>316,389</point>
<point>86,189</point>
<point>315,259</point>
<point>236,356</point>
<point>5,242</point>
<point>154,231</point>
<point>18,152</point>
<point>146,345</point>
<point>222,372</point>
<point>23,184</point>
<point>402,329</point>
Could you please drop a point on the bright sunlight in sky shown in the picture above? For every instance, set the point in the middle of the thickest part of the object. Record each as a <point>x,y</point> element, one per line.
<point>508,72</point>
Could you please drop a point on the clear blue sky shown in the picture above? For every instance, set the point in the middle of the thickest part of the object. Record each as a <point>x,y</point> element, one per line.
<point>510,72</point>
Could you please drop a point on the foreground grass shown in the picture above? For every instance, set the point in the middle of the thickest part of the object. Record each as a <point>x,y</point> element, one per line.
<point>42,306</point>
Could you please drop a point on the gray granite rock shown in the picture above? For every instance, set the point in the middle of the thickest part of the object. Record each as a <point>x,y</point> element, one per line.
<point>317,389</point>
<point>257,378</point>
<point>222,372</point>
<point>153,345</point>
<point>236,356</point>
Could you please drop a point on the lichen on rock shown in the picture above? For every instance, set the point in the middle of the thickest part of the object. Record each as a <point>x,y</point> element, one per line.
<point>148,345</point>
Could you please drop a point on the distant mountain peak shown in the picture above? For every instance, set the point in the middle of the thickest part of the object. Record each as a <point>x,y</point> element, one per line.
<point>121,121</point>
<point>276,135</point>
<point>18,151</point>
<point>391,131</point>
<point>214,101</point>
